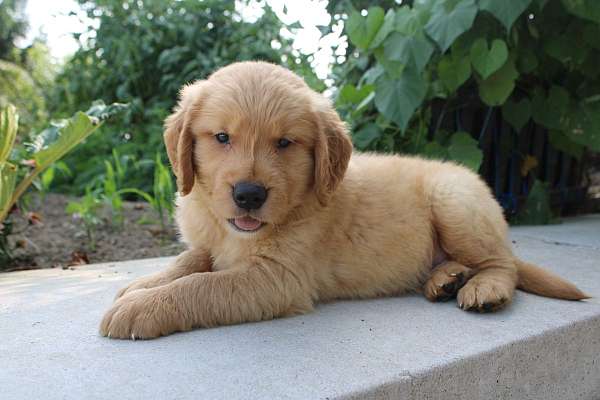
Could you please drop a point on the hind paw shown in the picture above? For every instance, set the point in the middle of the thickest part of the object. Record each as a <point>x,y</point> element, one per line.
<point>446,280</point>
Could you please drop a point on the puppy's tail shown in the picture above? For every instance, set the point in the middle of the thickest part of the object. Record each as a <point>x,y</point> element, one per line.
<point>536,280</point>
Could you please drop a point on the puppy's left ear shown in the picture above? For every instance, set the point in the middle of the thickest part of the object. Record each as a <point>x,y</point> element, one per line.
<point>333,149</point>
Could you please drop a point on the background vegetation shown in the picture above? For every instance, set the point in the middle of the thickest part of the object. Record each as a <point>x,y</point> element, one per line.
<point>509,88</point>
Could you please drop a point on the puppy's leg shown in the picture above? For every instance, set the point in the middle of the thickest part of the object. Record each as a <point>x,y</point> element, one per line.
<point>445,281</point>
<point>188,262</point>
<point>473,232</point>
<point>261,291</point>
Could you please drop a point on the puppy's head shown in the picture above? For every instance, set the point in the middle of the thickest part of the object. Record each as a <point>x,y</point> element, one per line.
<point>256,142</point>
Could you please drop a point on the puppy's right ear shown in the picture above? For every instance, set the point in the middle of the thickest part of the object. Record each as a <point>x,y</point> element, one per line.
<point>178,137</point>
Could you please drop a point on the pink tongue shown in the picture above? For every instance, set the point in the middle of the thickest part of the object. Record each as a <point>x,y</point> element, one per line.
<point>247,223</point>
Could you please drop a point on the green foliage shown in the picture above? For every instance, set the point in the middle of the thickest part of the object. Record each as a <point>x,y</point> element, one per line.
<point>48,147</point>
<point>18,87</point>
<point>86,209</point>
<point>13,25</point>
<point>162,197</point>
<point>537,209</point>
<point>112,196</point>
<point>536,60</point>
<point>142,53</point>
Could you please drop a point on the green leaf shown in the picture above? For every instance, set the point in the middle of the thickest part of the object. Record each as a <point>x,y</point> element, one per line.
<point>527,61</point>
<point>584,126</point>
<point>412,50</point>
<point>393,68</point>
<point>362,30</point>
<point>387,27</point>
<point>506,11</point>
<point>537,209</point>
<point>9,123</point>
<point>449,19</point>
<point>351,95</point>
<point>550,111</point>
<point>454,71</point>
<point>586,9</point>
<point>8,179</point>
<point>561,142</point>
<point>465,150</point>
<point>488,60</point>
<point>397,99</point>
<point>410,20</point>
<point>103,112</point>
<point>47,178</point>
<point>435,151</point>
<point>495,90</point>
<point>62,136</point>
<point>517,114</point>
<point>561,48</point>
<point>366,135</point>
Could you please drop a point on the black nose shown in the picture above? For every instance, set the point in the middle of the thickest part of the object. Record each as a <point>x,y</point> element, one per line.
<point>249,196</point>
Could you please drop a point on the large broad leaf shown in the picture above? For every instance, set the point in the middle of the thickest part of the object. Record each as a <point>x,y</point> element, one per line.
<point>351,95</point>
<point>536,210</point>
<point>465,150</point>
<point>550,111</point>
<point>56,141</point>
<point>517,114</point>
<point>449,19</point>
<point>495,90</point>
<point>586,9</point>
<point>9,123</point>
<point>413,50</point>
<point>584,125</point>
<point>435,151</point>
<point>386,28</point>
<point>62,136</point>
<point>397,99</point>
<point>488,60</point>
<point>8,177</point>
<point>561,142</point>
<point>506,11</point>
<point>103,112</point>
<point>454,71</point>
<point>362,30</point>
<point>411,20</point>
<point>366,135</point>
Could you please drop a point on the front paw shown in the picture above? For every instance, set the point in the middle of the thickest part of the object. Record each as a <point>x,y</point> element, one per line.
<point>143,314</point>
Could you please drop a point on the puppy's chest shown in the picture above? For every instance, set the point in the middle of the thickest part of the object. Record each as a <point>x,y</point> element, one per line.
<point>230,255</point>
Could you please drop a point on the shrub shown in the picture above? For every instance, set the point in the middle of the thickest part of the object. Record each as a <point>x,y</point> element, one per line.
<point>528,62</point>
<point>23,165</point>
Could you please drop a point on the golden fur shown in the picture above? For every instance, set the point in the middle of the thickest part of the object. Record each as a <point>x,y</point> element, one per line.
<point>337,224</point>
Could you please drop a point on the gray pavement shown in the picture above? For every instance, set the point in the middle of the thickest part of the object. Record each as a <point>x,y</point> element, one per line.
<point>393,348</point>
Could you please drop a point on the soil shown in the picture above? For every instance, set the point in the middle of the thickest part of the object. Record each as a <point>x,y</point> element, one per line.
<point>47,237</point>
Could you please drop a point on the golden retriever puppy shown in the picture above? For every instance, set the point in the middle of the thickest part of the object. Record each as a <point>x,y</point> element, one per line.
<point>279,214</point>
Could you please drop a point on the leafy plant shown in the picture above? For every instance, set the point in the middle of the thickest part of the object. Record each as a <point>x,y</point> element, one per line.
<point>410,67</point>
<point>86,210</point>
<point>44,182</point>
<point>112,196</point>
<point>161,199</point>
<point>19,167</point>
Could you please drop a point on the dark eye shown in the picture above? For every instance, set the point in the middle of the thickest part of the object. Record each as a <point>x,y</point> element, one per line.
<point>283,143</point>
<point>222,137</point>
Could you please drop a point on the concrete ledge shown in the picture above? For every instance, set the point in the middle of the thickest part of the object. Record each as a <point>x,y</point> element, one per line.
<point>395,348</point>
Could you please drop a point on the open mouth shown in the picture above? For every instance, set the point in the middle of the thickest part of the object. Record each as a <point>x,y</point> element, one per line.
<point>246,224</point>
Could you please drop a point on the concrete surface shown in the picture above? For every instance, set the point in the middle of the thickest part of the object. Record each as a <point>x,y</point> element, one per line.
<point>394,348</point>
